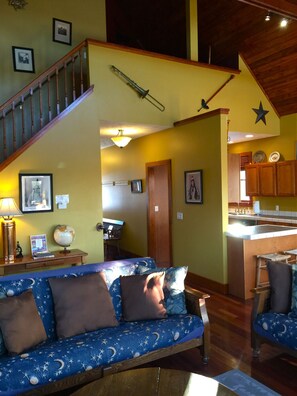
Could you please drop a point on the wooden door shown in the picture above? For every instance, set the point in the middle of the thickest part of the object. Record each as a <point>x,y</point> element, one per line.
<point>158,179</point>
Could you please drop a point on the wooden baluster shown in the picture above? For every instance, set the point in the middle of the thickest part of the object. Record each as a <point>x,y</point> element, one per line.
<point>4,134</point>
<point>23,118</point>
<point>57,91</point>
<point>81,72</point>
<point>49,98</point>
<point>31,110</point>
<point>40,105</point>
<point>65,85</point>
<point>14,145</point>
<point>73,78</point>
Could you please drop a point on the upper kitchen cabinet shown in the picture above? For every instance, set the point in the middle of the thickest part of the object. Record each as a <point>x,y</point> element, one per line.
<point>286,173</point>
<point>272,179</point>
<point>252,180</point>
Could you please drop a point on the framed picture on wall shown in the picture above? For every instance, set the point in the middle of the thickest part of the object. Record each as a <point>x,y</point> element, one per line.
<point>193,187</point>
<point>136,186</point>
<point>62,31</point>
<point>36,192</point>
<point>23,59</point>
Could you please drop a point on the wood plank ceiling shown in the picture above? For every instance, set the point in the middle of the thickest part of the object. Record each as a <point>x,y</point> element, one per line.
<point>226,28</point>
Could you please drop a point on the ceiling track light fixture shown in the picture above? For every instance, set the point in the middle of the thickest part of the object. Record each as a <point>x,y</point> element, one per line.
<point>267,17</point>
<point>284,22</point>
<point>120,140</point>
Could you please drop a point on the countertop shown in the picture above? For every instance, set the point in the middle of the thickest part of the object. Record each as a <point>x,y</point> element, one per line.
<point>276,219</point>
<point>259,231</point>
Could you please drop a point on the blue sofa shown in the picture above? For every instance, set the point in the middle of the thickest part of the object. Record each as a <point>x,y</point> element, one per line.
<point>58,364</point>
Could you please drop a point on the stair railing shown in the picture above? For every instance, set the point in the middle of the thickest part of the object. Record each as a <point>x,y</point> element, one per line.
<point>24,115</point>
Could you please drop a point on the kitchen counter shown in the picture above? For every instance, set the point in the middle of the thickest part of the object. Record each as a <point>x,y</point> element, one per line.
<point>244,243</point>
<point>260,231</point>
<point>275,219</point>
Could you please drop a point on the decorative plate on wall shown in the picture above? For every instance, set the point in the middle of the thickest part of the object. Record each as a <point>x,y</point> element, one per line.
<point>259,156</point>
<point>274,156</point>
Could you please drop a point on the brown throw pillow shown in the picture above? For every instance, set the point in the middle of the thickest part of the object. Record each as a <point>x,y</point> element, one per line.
<point>280,279</point>
<point>82,304</point>
<point>20,323</point>
<point>143,297</point>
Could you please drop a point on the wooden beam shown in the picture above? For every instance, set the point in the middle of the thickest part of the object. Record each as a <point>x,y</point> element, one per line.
<point>281,7</point>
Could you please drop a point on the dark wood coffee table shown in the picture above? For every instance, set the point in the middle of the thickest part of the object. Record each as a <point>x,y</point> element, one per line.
<point>154,381</point>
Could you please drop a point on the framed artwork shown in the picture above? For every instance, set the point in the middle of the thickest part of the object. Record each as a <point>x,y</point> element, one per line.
<point>38,244</point>
<point>23,59</point>
<point>136,186</point>
<point>36,192</point>
<point>193,187</point>
<point>62,31</point>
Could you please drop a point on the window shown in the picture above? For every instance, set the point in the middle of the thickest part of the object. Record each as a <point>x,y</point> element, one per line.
<point>245,159</point>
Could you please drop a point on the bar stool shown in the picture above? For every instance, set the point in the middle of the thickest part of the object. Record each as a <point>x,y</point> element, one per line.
<point>267,257</point>
<point>293,252</point>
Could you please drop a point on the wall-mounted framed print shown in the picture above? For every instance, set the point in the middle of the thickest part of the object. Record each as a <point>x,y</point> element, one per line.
<point>23,59</point>
<point>193,187</point>
<point>62,31</point>
<point>136,186</point>
<point>36,192</point>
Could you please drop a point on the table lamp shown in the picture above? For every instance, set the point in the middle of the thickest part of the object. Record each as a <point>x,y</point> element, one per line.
<point>8,210</point>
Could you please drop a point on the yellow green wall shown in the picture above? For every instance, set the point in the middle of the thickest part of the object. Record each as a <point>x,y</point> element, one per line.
<point>286,145</point>
<point>32,28</point>
<point>198,240</point>
<point>74,161</point>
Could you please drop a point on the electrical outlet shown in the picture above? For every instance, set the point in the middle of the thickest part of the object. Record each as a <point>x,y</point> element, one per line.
<point>179,216</point>
<point>277,208</point>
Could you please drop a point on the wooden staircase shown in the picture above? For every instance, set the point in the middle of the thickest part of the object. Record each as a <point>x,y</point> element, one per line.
<point>27,116</point>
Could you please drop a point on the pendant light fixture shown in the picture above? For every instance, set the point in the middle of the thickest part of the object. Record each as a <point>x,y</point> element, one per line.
<point>120,140</point>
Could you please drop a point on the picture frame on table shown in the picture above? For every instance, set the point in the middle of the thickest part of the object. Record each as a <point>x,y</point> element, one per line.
<point>36,192</point>
<point>23,59</point>
<point>194,187</point>
<point>136,186</point>
<point>62,31</point>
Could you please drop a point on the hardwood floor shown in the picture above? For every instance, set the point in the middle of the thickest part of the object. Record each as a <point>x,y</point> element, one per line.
<point>230,348</point>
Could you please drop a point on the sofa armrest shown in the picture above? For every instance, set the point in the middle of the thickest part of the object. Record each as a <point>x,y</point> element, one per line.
<point>261,300</point>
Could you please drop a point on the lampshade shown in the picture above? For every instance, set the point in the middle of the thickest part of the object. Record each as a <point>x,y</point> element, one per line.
<point>9,209</point>
<point>120,140</point>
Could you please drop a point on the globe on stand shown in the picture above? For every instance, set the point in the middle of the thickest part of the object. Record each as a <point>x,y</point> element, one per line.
<point>64,236</point>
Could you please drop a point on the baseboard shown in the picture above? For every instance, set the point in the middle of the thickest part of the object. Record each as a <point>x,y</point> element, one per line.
<point>199,282</point>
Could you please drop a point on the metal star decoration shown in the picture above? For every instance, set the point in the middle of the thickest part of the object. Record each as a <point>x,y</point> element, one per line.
<point>261,113</point>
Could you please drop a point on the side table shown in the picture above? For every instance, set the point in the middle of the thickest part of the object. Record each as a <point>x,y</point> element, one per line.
<point>27,263</point>
<point>152,382</point>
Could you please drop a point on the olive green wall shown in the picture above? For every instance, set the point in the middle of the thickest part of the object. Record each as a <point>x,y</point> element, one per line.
<point>32,28</point>
<point>198,239</point>
<point>74,162</point>
<point>286,145</point>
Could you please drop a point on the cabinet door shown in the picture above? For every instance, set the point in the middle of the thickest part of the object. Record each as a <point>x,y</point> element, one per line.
<point>252,179</point>
<point>267,179</point>
<point>286,177</point>
<point>233,177</point>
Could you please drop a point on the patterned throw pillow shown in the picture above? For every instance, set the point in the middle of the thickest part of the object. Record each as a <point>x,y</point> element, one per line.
<point>280,279</point>
<point>294,289</point>
<point>174,287</point>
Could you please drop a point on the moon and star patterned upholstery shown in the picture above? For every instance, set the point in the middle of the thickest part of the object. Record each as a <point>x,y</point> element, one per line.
<point>55,358</point>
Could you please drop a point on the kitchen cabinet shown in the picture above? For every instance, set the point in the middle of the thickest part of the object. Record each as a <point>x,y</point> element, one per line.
<point>252,180</point>
<point>272,179</point>
<point>233,177</point>
<point>286,174</point>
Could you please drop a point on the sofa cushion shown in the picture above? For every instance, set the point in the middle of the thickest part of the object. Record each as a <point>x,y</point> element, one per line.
<point>174,287</point>
<point>81,304</point>
<point>280,279</point>
<point>294,290</point>
<point>20,323</point>
<point>142,297</point>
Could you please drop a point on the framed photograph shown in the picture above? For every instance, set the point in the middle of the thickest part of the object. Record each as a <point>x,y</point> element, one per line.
<point>62,31</point>
<point>36,192</point>
<point>23,59</point>
<point>136,186</point>
<point>193,187</point>
<point>38,244</point>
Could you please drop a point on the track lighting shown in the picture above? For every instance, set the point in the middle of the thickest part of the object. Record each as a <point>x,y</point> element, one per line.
<point>284,22</point>
<point>267,17</point>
